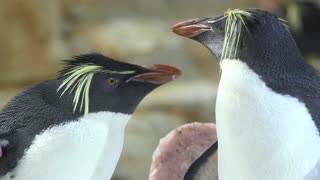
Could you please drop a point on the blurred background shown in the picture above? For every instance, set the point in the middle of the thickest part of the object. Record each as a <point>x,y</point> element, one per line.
<point>36,34</point>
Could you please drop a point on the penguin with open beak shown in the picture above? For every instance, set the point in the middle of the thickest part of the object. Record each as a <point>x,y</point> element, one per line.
<point>72,127</point>
<point>268,101</point>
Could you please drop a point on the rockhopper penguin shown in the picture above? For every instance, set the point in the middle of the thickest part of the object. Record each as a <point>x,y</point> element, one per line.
<point>72,127</point>
<point>268,101</point>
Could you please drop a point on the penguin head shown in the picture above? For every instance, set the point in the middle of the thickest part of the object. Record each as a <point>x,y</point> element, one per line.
<point>97,83</point>
<point>238,34</point>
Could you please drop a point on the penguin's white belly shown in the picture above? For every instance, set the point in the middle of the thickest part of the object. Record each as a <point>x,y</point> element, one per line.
<point>314,173</point>
<point>87,149</point>
<point>262,135</point>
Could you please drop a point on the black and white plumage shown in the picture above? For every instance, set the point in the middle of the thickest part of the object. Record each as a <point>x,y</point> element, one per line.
<point>268,101</point>
<point>72,127</point>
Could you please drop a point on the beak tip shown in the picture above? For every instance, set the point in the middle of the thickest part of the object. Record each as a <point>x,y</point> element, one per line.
<point>175,27</point>
<point>174,77</point>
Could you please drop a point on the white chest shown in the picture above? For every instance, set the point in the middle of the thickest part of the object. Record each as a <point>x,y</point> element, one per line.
<point>262,135</point>
<point>87,149</point>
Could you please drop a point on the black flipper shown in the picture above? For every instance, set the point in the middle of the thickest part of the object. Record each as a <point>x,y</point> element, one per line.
<point>10,143</point>
<point>195,167</point>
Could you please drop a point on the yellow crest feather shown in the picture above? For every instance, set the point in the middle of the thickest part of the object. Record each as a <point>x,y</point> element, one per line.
<point>78,80</point>
<point>235,24</point>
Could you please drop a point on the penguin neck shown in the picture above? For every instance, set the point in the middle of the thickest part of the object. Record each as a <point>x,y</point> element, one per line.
<point>83,149</point>
<point>262,134</point>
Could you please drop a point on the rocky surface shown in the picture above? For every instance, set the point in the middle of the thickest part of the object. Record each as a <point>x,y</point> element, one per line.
<point>180,148</point>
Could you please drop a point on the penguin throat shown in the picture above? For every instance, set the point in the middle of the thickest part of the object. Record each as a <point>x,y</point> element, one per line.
<point>262,135</point>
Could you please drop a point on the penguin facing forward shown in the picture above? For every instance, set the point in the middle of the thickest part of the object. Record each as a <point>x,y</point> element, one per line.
<point>268,100</point>
<point>72,127</point>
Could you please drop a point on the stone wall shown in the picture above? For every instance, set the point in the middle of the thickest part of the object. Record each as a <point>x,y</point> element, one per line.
<point>35,35</point>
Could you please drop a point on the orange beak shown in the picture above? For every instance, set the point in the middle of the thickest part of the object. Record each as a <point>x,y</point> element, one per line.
<point>189,28</point>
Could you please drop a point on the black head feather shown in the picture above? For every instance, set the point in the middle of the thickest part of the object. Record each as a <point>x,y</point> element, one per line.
<point>106,63</point>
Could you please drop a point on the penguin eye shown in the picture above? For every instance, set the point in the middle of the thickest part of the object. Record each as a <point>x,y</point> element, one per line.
<point>221,28</point>
<point>112,81</point>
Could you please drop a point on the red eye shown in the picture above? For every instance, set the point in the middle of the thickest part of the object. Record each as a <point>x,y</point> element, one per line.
<point>112,82</point>
<point>221,28</point>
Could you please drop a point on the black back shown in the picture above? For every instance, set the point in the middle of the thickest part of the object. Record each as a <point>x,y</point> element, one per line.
<point>269,50</point>
<point>29,113</point>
